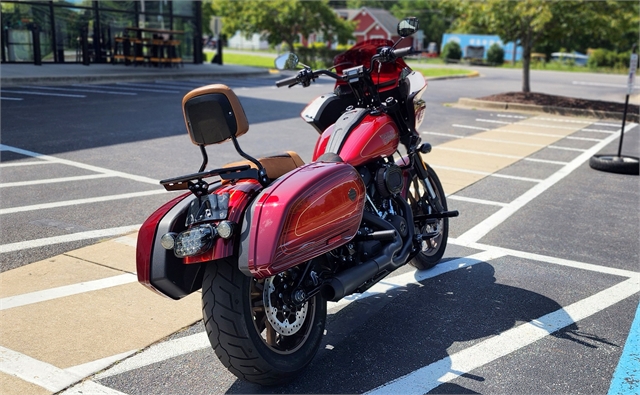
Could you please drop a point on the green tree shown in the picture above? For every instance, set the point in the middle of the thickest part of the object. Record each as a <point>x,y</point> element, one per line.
<point>535,23</point>
<point>384,4</point>
<point>434,21</point>
<point>524,22</point>
<point>282,20</point>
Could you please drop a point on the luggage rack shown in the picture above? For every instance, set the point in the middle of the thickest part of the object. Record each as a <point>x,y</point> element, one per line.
<point>194,182</point>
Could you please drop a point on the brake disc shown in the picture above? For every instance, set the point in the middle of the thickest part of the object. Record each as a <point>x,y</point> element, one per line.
<point>286,319</point>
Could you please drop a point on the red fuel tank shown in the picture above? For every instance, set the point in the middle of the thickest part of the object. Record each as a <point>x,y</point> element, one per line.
<point>374,136</point>
<point>304,214</point>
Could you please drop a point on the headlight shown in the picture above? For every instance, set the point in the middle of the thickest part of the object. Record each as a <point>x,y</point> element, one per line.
<point>194,241</point>
<point>225,229</point>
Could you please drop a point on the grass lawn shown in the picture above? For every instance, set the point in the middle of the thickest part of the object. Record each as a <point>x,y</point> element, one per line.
<point>242,59</point>
<point>437,72</point>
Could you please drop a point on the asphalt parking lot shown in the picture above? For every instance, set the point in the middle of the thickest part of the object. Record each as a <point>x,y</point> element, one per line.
<point>536,294</point>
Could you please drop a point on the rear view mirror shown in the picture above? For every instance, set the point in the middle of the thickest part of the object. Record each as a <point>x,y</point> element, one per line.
<point>213,114</point>
<point>287,61</point>
<point>408,26</point>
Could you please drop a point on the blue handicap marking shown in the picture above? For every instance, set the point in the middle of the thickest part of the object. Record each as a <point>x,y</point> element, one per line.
<point>626,378</point>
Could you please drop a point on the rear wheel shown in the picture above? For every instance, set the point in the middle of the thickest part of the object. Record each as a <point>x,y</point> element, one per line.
<point>432,247</point>
<point>256,333</point>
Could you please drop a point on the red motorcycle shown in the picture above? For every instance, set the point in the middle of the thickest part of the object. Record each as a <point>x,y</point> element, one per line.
<point>274,239</point>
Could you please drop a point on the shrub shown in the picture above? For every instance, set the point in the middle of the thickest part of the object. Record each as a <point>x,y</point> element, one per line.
<point>451,51</point>
<point>597,58</point>
<point>604,58</point>
<point>318,55</point>
<point>495,55</point>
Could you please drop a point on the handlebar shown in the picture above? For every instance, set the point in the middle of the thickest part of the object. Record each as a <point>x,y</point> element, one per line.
<point>401,52</point>
<point>287,81</point>
<point>305,76</point>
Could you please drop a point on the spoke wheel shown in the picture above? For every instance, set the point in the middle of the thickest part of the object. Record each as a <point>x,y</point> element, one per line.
<point>255,331</point>
<point>432,248</point>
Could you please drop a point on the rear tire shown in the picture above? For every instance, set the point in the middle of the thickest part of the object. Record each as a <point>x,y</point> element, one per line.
<point>433,248</point>
<point>239,328</point>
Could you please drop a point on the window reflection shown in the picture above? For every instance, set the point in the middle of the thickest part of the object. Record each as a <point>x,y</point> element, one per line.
<point>100,22</point>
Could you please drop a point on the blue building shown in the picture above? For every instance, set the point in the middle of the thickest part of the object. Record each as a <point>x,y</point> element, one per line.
<point>481,40</point>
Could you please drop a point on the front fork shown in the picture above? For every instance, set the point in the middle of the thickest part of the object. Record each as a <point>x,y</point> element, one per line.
<point>437,208</point>
<point>423,175</point>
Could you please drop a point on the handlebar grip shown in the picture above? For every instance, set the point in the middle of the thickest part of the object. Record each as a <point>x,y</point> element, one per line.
<point>287,81</point>
<point>403,52</point>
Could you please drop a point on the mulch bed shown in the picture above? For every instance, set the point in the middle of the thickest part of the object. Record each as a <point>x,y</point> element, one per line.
<point>542,99</point>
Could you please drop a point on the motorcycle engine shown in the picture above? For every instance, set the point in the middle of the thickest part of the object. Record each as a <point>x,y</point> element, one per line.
<point>389,180</point>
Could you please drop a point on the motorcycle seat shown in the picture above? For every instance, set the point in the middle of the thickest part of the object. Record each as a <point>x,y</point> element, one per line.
<point>276,165</point>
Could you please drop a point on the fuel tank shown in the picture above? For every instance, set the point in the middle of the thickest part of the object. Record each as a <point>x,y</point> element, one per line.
<point>306,213</point>
<point>359,137</point>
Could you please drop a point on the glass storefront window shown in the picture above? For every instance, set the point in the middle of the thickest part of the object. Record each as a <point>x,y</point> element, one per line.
<point>69,25</point>
<point>186,39</point>
<point>155,21</point>
<point>74,3</point>
<point>117,5</point>
<point>18,22</point>
<point>154,7</point>
<point>62,41</point>
<point>183,7</point>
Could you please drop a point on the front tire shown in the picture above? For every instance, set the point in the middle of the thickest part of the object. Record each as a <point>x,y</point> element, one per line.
<point>433,248</point>
<point>265,345</point>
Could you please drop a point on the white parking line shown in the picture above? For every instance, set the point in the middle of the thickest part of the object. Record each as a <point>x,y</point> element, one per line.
<point>36,372</point>
<point>551,162</point>
<point>455,125</point>
<point>549,259</point>
<point>543,126</point>
<point>124,88</point>
<point>10,98</point>
<point>11,302</point>
<point>45,206</point>
<point>566,148</point>
<point>159,352</point>
<point>560,120</point>
<point>40,162</point>
<point>516,132</point>
<point>468,151</point>
<point>54,180</point>
<point>149,86</point>
<point>47,241</point>
<point>431,376</point>
<point>480,230</point>
<point>42,93</point>
<point>485,173</point>
<point>45,375</point>
<point>53,159</point>
<point>79,90</point>
<point>601,84</point>
<point>474,200</point>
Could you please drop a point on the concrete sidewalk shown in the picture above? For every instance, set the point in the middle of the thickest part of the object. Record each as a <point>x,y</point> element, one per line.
<point>12,74</point>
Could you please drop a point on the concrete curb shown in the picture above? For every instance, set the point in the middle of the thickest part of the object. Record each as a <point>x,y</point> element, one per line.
<point>504,106</point>
<point>7,82</point>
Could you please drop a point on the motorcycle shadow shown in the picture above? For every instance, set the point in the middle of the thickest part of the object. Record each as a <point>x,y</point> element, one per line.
<point>384,337</point>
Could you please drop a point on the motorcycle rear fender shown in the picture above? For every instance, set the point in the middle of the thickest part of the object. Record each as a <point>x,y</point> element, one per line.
<point>302,215</point>
<point>159,269</point>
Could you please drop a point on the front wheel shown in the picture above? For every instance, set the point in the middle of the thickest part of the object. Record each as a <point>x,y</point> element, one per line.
<point>432,248</point>
<point>256,333</point>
